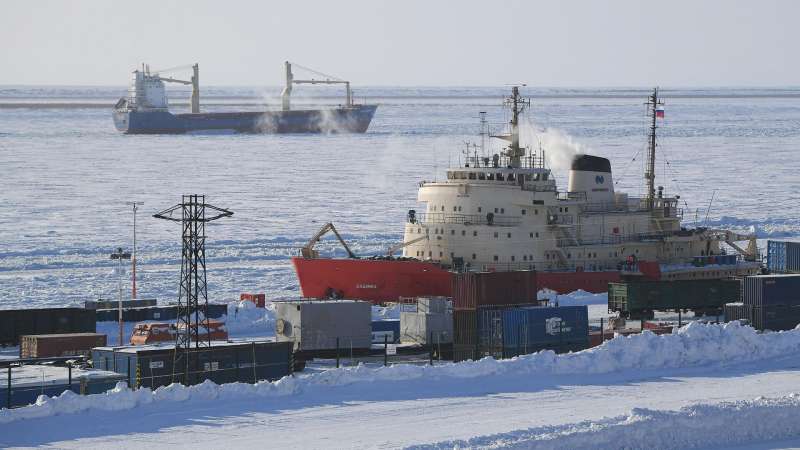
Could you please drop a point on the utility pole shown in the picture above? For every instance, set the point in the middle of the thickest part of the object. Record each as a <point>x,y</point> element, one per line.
<point>133,257</point>
<point>119,255</point>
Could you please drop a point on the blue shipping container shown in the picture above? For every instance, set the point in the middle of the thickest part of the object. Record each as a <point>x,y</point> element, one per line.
<point>772,290</point>
<point>532,328</point>
<point>381,328</point>
<point>783,257</point>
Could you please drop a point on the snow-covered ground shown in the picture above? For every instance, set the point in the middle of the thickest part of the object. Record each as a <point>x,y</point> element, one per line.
<point>706,386</point>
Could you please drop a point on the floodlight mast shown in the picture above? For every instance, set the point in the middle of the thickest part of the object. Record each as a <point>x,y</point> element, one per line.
<point>119,255</point>
<point>193,288</point>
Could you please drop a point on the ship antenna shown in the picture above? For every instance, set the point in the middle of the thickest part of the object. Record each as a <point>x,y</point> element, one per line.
<point>650,172</point>
<point>518,105</point>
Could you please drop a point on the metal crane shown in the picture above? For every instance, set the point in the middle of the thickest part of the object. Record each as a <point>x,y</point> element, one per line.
<point>308,251</point>
<point>327,79</point>
<point>390,251</point>
<point>730,238</point>
<point>194,82</point>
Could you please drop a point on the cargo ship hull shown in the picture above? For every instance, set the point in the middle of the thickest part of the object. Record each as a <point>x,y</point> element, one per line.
<point>354,119</point>
<point>381,281</point>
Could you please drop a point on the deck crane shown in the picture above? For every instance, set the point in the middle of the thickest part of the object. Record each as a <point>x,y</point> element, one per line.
<point>729,237</point>
<point>327,79</point>
<point>194,82</point>
<point>390,251</point>
<point>308,250</point>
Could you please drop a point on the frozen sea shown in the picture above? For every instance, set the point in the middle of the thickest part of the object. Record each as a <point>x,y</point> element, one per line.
<point>67,175</point>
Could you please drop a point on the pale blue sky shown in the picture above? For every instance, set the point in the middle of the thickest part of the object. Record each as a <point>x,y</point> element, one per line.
<point>553,43</point>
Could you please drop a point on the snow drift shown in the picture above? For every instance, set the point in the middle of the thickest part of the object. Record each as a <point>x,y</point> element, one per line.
<point>697,426</point>
<point>693,345</point>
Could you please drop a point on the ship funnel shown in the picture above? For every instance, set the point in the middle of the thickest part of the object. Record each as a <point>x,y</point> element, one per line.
<point>592,175</point>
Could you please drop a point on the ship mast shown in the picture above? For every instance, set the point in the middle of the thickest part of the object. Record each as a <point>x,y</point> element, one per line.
<point>518,105</point>
<point>650,172</point>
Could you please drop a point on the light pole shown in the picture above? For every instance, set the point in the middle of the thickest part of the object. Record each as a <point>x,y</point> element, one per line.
<point>133,259</point>
<point>119,255</point>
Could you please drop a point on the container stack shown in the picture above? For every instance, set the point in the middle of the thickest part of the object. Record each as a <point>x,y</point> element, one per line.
<point>783,257</point>
<point>54,345</point>
<point>497,314</point>
<point>773,301</point>
<point>320,325</point>
<point>430,323</point>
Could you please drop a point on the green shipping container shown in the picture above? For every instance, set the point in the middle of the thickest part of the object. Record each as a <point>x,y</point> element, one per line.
<point>642,296</point>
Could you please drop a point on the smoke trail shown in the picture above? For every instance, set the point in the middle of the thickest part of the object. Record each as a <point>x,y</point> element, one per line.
<point>559,147</point>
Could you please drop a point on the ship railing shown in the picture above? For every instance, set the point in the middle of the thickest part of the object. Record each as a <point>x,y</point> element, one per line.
<point>612,240</point>
<point>539,187</point>
<point>586,265</point>
<point>578,196</point>
<point>467,219</point>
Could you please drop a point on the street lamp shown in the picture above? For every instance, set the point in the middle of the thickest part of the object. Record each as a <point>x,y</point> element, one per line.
<point>119,255</point>
<point>133,259</point>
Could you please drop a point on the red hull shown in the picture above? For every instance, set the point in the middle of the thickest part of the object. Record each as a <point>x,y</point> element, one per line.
<point>386,281</point>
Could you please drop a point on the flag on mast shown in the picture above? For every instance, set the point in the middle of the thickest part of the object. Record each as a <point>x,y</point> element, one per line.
<point>660,112</point>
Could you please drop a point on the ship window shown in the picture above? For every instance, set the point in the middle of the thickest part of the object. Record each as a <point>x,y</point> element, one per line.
<point>430,253</point>
<point>442,207</point>
<point>569,255</point>
<point>419,231</point>
<point>510,177</point>
<point>495,234</point>
<point>472,175</point>
<point>452,232</point>
<point>524,212</point>
<point>440,254</point>
<point>475,233</point>
<point>566,209</point>
<point>524,257</point>
<point>455,209</point>
<point>531,235</point>
<point>490,176</point>
<point>496,258</point>
<point>512,257</point>
<point>496,210</point>
<point>481,176</point>
<point>473,256</point>
<point>499,177</point>
<point>560,209</point>
<point>463,232</point>
<point>537,234</point>
<point>479,209</point>
<point>509,235</point>
<point>535,212</point>
<point>459,209</point>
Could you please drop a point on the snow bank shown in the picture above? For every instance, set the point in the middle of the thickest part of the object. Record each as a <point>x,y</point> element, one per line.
<point>245,319</point>
<point>697,426</point>
<point>576,298</point>
<point>693,345</point>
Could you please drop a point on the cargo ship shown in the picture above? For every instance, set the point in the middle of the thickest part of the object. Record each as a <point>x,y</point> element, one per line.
<point>146,110</point>
<point>504,212</point>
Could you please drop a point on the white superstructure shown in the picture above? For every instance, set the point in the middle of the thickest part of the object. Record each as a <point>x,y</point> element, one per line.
<point>506,212</point>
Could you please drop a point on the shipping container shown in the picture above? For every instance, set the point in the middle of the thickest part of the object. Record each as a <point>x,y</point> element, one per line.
<point>29,381</point>
<point>114,304</point>
<point>432,305</point>
<point>775,318</point>
<point>783,257</point>
<point>637,298</point>
<point>385,328</point>
<point>319,324</point>
<point>738,311</point>
<point>528,330</point>
<point>420,328</point>
<point>511,331</point>
<point>473,290</point>
<point>223,362</point>
<point>166,312</point>
<point>17,322</point>
<point>53,345</point>
<point>772,290</point>
<point>260,300</point>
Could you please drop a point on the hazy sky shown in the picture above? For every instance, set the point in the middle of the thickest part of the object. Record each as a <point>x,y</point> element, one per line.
<point>552,43</point>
